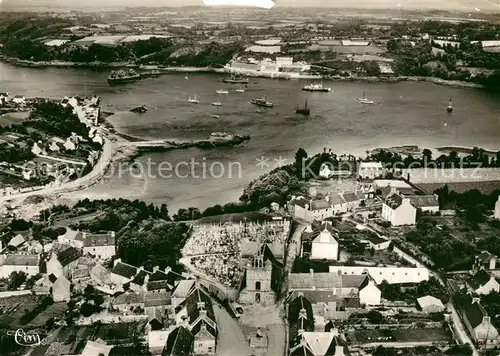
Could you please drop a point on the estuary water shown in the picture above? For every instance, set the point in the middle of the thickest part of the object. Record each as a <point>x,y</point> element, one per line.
<point>405,113</point>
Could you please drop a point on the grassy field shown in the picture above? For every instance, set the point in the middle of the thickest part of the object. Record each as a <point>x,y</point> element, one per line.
<point>461,187</point>
<point>402,335</point>
<point>22,304</point>
<point>54,311</point>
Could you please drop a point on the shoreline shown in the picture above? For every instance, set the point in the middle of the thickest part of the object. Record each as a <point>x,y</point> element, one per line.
<point>172,69</point>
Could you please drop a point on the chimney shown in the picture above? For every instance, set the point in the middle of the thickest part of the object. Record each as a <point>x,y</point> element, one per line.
<point>339,351</point>
<point>313,192</point>
<point>327,197</point>
<point>201,305</point>
<point>155,268</point>
<point>167,270</point>
<point>116,261</point>
<point>475,300</point>
<point>486,319</point>
<point>203,314</point>
<point>203,326</point>
<point>141,268</point>
<point>84,235</point>
<point>311,272</point>
<point>300,294</point>
<point>303,314</point>
<point>112,233</point>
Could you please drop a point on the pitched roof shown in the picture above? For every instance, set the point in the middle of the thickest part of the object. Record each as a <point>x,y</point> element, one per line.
<point>69,255</point>
<point>124,270</point>
<point>424,201</point>
<point>350,197</point>
<point>300,317</point>
<point>140,278</point>
<point>336,199</point>
<point>129,298</point>
<point>479,279</point>
<point>93,348</point>
<point>183,288</point>
<point>196,301</point>
<point>21,260</point>
<point>300,201</point>
<point>157,299</point>
<point>179,343</point>
<point>429,300</point>
<point>17,240</point>
<point>99,240</point>
<point>474,312</point>
<point>325,237</point>
<point>394,201</point>
<point>320,204</point>
<point>301,350</point>
<point>375,239</point>
<point>326,280</point>
<point>157,285</point>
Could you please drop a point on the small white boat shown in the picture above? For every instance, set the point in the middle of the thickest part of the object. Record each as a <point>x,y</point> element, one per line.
<point>222,91</point>
<point>449,108</point>
<point>193,100</point>
<point>186,77</point>
<point>215,116</point>
<point>364,100</point>
<point>240,90</point>
<point>216,103</point>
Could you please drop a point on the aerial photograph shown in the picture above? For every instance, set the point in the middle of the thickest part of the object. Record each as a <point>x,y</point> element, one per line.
<point>249,178</point>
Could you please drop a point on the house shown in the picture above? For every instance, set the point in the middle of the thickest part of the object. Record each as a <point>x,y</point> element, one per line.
<point>102,246</point>
<point>181,291</point>
<point>485,260</point>
<point>196,313</point>
<point>478,322</point>
<point>430,304</point>
<point>157,340</point>
<point>16,241</point>
<point>157,303</point>
<point>69,237</point>
<point>497,209</point>
<point>122,273</point>
<point>44,284</point>
<point>352,200</point>
<point>339,285</point>
<point>4,97</point>
<point>325,246</point>
<point>19,99</point>
<point>392,275</point>
<point>93,348</point>
<point>127,302</point>
<point>98,138</point>
<point>319,344</point>
<point>61,289</point>
<point>321,209</point>
<point>370,170</point>
<point>69,145</point>
<point>59,262</point>
<point>398,210</point>
<point>261,278</point>
<point>299,208</point>
<point>179,343</point>
<point>482,282</point>
<point>426,203</point>
<point>29,264</point>
<point>365,186</point>
<point>300,317</point>
<point>139,282</point>
<point>377,243</point>
<point>36,150</point>
<point>337,202</point>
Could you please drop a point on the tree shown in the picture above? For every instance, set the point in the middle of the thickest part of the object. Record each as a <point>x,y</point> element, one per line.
<point>16,279</point>
<point>374,317</point>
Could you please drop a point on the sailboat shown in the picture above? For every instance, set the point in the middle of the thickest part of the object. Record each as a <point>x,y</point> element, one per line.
<point>186,77</point>
<point>217,103</point>
<point>193,100</point>
<point>304,111</point>
<point>222,91</point>
<point>449,108</point>
<point>216,116</point>
<point>364,100</point>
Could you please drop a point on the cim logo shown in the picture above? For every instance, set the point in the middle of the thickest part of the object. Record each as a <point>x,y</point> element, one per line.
<point>26,339</point>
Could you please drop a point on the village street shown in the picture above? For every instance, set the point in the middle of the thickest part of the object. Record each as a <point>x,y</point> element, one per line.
<point>230,338</point>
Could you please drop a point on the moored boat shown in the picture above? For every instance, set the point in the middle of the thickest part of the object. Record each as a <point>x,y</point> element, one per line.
<point>234,79</point>
<point>193,100</point>
<point>303,111</point>
<point>364,100</point>
<point>222,91</point>
<point>449,108</point>
<point>316,87</point>
<point>127,75</point>
<point>262,102</point>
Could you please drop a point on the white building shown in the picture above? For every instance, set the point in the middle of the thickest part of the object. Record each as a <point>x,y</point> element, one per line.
<point>370,170</point>
<point>427,203</point>
<point>369,293</point>
<point>19,99</point>
<point>325,246</point>
<point>399,211</point>
<point>483,283</point>
<point>69,145</point>
<point>284,61</point>
<point>393,275</point>
<point>497,209</point>
<point>29,264</point>
<point>102,246</point>
<point>430,304</point>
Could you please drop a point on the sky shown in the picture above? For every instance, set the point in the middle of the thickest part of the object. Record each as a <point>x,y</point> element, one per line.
<point>463,5</point>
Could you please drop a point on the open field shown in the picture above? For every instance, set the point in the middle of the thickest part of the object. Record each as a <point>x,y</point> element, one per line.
<point>54,311</point>
<point>250,216</point>
<point>461,187</point>
<point>401,335</point>
<point>13,308</point>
